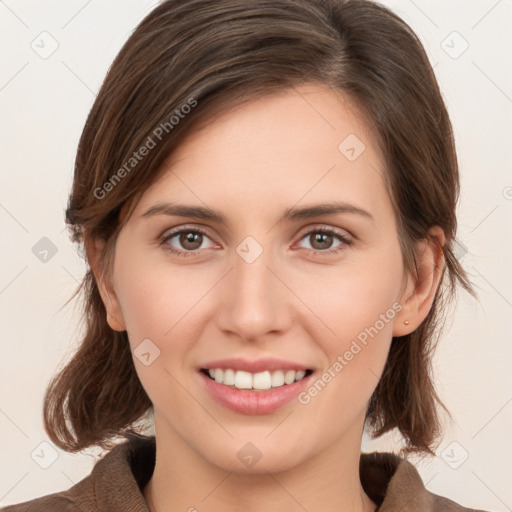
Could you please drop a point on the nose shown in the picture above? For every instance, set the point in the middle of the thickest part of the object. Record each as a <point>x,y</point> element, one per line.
<point>253,301</point>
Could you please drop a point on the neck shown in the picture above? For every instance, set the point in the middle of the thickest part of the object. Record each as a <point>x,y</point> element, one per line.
<point>184,481</point>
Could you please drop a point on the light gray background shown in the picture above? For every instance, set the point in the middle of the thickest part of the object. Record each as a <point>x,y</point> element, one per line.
<point>44,103</point>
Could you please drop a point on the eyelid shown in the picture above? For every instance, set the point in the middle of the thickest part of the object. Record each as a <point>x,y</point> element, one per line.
<point>344,238</point>
<point>184,227</point>
<point>302,232</point>
<point>172,232</point>
<point>326,228</point>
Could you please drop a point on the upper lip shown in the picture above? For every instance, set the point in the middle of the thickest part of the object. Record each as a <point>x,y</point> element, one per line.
<point>259,365</point>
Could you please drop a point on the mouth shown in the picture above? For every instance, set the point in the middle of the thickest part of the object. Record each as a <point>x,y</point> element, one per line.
<point>254,387</point>
<point>260,381</point>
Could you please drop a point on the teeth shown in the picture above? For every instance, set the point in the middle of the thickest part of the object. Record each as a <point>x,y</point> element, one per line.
<point>229,378</point>
<point>243,380</point>
<point>289,376</point>
<point>257,381</point>
<point>262,380</point>
<point>300,375</point>
<point>277,378</point>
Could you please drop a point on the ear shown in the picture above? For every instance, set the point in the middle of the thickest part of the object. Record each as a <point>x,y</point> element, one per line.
<point>94,249</point>
<point>419,292</point>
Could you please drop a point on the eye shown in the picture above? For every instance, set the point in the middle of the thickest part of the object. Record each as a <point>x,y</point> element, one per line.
<point>326,240</point>
<point>188,240</point>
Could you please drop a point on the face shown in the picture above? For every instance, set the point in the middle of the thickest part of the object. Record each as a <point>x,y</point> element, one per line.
<point>257,281</point>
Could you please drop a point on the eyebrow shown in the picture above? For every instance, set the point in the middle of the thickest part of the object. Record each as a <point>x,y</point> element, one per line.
<point>290,214</point>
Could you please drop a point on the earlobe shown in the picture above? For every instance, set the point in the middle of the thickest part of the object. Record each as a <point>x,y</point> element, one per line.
<point>114,323</point>
<point>115,319</point>
<point>417,302</point>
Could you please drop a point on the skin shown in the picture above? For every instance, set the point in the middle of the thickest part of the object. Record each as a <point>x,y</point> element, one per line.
<point>251,164</point>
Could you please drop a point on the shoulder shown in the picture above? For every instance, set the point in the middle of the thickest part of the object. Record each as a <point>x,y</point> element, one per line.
<point>70,500</point>
<point>53,502</point>
<point>114,484</point>
<point>395,484</point>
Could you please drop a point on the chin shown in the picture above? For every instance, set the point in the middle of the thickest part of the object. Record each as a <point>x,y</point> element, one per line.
<point>274,464</point>
<point>246,457</point>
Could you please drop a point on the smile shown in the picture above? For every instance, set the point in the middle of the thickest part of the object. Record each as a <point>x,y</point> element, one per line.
<point>254,386</point>
<point>259,381</point>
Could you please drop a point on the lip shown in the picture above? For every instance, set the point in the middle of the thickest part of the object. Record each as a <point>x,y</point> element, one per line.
<point>254,402</point>
<point>270,364</point>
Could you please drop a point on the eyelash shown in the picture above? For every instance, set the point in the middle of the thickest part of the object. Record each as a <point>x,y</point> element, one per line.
<point>345,241</point>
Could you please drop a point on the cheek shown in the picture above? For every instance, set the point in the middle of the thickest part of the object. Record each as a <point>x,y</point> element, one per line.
<point>156,299</point>
<point>356,296</point>
<point>168,306</point>
<point>162,305</point>
<point>358,310</point>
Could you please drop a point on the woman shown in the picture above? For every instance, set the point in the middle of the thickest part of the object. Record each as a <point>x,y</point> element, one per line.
<point>266,195</point>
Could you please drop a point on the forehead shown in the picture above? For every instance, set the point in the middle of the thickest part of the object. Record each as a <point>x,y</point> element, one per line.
<point>281,123</point>
<point>307,141</point>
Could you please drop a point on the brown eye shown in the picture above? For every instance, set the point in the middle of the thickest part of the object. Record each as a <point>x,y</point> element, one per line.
<point>191,240</point>
<point>187,242</point>
<point>321,241</point>
<point>325,240</point>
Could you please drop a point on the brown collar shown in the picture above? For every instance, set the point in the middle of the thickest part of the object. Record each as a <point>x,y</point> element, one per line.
<point>390,481</point>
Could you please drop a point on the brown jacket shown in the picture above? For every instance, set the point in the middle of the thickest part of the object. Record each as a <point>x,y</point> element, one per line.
<point>116,480</point>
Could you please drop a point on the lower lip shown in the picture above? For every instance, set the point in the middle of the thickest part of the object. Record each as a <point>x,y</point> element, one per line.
<point>254,402</point>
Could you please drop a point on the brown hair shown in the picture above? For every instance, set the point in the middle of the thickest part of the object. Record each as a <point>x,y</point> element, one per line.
<point>187,61</point>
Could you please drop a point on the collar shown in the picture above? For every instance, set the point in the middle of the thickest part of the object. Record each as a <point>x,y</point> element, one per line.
<point>390,481</point>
